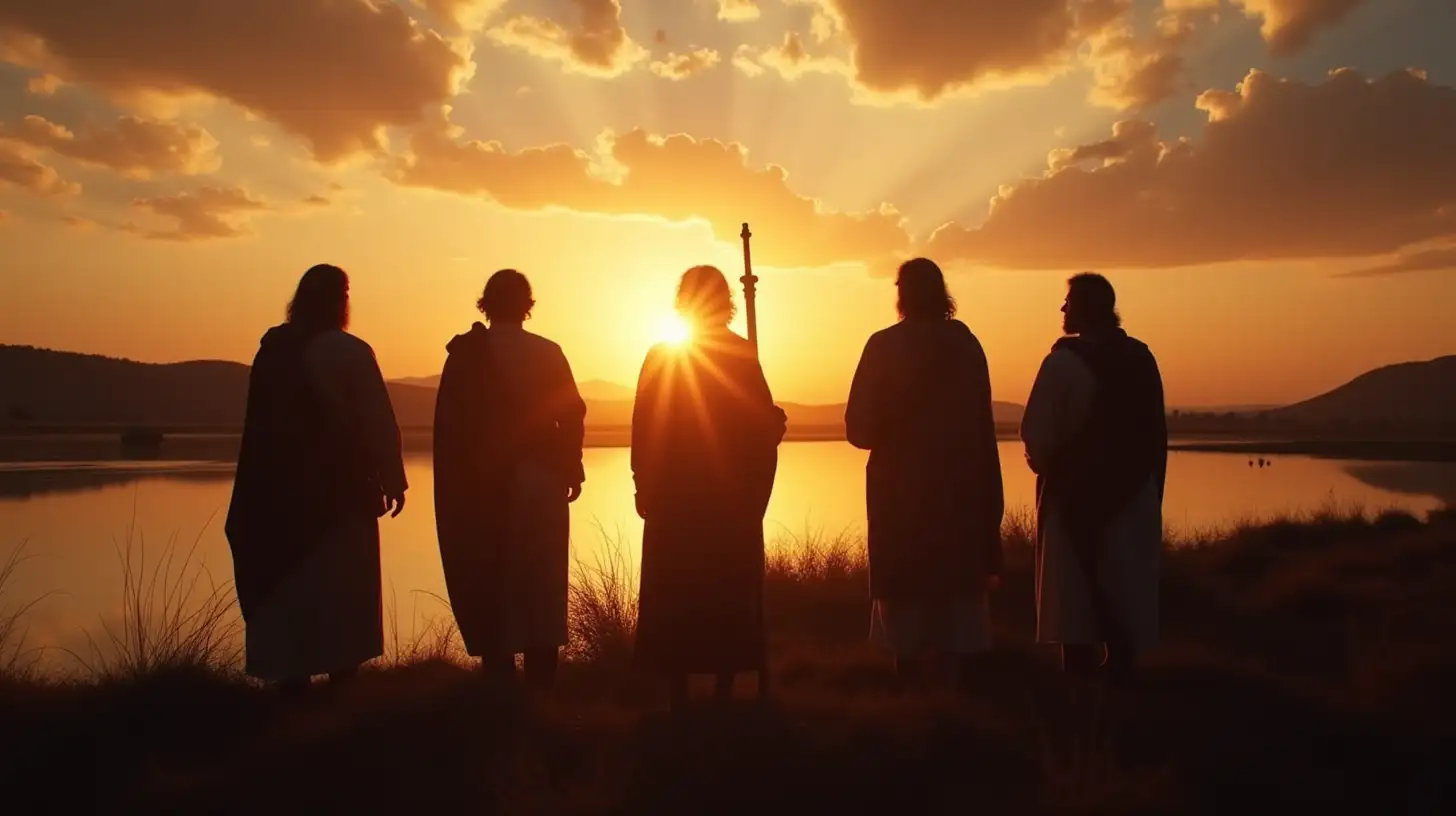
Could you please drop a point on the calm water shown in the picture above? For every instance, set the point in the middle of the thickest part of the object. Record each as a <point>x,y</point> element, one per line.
<point>72,520</point>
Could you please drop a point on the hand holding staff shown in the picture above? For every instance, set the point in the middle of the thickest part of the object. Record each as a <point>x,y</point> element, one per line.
<point>749,281</point>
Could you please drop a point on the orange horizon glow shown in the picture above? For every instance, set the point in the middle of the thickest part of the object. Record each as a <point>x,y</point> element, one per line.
<point>159,203</point>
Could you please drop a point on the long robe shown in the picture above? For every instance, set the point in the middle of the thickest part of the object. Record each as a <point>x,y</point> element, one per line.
<point>705,436</point>
<point>509,429</point>
<point>1099,518</point>
<point>921,405</point>
<point>320,450</point>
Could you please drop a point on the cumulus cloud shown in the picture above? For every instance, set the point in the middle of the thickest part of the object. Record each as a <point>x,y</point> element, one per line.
<point>211,212</point>
<point>738,11</point>
<point>1132,70</point>
<point>466,15</point>
<point>675,177</point>
<point>334,72</point>
<point>683,66</point>
<point>790,59</point>
<point>20,168</point>
<point>137,148</point>
<point>599,45</point>
<point>1290,25</point>
<point>1350,167</point>
<point>43,85</point>
<point>927,49</point>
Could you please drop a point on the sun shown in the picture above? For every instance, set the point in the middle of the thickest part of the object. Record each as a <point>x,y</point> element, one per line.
<point>673,330</point>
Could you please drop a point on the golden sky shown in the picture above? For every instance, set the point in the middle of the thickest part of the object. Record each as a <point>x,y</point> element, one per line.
<point>1270,184</point>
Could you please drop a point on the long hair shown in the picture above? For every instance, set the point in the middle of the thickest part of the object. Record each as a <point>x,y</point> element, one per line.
<point>922,291</point>
<point>703,297</point>
<point>1096,299</point>
<point>507,297</point>
<point>321,302</point>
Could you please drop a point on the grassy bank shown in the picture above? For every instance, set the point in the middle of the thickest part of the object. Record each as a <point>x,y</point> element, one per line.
<point>1306,662</point>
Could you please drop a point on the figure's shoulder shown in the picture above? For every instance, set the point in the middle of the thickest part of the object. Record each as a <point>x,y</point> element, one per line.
<point>962,333</point>
<point>340,344</point>
<point>656,354</point>
<point>545,344</point>
<point>887,336</point>
<point>1139,346</point>
<point>1065,359</point>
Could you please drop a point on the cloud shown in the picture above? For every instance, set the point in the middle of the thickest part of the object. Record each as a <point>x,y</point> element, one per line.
<point>789,60</point>
<point>76,222</point>
<point>927,49</point>
<point>20,168</point>
<point>1439,257</point>
<point>599,45</point>
<point>683,66</point>
<point>1290,25</point>
<point>465,15</point>
<point>675,177</point>
<point>334,72</point>
<point>211,212</point>
<point>137,148</point>
<point>43,85</point>
<point>1132,71</point>
<point>1346,168</point>
<point>738,11</point>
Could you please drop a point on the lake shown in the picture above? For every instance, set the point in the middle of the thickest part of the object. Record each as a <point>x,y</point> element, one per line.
<point>72,516</point>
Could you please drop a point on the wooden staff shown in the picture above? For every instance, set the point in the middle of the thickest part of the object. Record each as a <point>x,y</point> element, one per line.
<point>749,293</point>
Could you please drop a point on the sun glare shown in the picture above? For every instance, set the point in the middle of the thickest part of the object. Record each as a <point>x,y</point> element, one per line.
<point>673,330</point>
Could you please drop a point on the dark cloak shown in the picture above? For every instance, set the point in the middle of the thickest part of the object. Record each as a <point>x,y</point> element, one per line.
<point>300,472</point>
<point>921,405</point>
<point>705,436</point>
<point>484,428</point>
<point>1121,446</point>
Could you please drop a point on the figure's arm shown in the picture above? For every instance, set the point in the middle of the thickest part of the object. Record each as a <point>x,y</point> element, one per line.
<point>1045,420</point>
<point>568,410</point>
<point>768,425</point>
<point>770,418</point>
<point>645,430</point>
<point>381,427</point>
<point>1162,432</point>
<point>862,411</point>
<point>993,490</point>
<point>352,379</point>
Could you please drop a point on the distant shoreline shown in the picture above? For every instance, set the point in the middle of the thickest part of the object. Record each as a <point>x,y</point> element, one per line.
<point>1371,450</point>
<point>103,443</point>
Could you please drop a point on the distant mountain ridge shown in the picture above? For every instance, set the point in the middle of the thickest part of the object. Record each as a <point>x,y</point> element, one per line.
<point>69,388</point>
<point>1413,395</point>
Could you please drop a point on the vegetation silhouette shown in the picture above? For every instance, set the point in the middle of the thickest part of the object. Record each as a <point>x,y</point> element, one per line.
<point>1305,655</point>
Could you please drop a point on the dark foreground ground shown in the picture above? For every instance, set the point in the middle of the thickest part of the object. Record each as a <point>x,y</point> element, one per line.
<point>1306,666</point>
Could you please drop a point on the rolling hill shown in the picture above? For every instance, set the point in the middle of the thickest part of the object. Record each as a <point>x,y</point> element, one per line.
<point>1406,396</point>
<point>67,388</point>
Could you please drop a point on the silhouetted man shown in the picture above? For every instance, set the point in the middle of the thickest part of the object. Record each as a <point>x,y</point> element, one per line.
<point>320,462</point>
<point>705,436</point>
<point>509,427</point>
<point>1097,438</point>
<point>921,405</point>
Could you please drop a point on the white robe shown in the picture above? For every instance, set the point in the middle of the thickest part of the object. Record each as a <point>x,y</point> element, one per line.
<point>1059,403</point>
<point>326,614</point>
